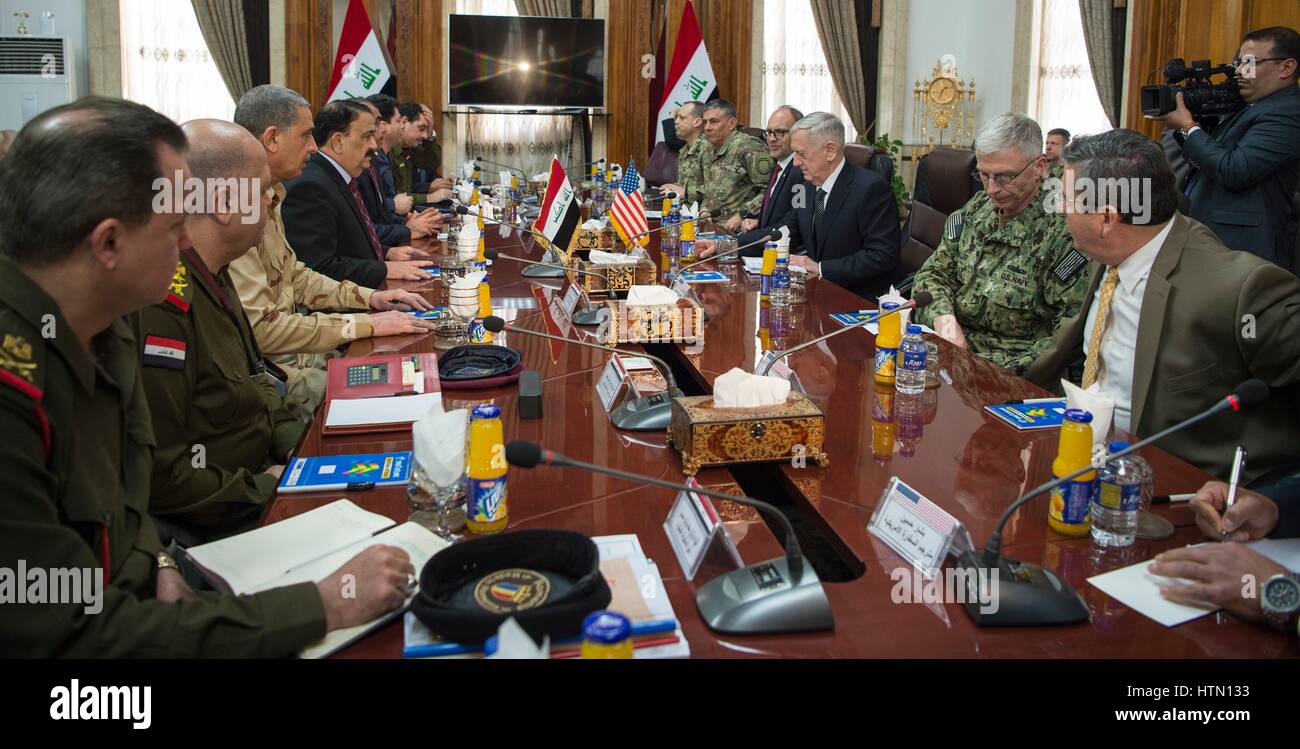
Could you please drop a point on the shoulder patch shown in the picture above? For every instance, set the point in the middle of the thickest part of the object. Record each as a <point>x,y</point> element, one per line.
<point>1068,267</point>
<point>178,294</point>
<point>19,367</point>
<point>168,353</point>
<point>952,226</point>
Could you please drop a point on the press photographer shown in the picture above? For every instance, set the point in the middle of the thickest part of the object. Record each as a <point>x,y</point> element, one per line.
<point>1243,181</point>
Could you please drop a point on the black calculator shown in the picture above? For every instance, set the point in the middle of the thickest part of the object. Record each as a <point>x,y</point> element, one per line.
<point>367,374</point>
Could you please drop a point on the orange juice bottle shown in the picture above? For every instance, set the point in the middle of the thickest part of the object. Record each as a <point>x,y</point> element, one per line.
<point>1071,501</point>
<point>477,332</point>
<point>765,273</point>
<point>485,506</point>
<point>887,340</point>
<point>665,239</point>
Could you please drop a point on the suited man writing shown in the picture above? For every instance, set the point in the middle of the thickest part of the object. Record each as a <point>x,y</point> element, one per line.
<point>1173,319</point>
<point>325,218</point>
<point>1245,172</point>
<point>844,226</point>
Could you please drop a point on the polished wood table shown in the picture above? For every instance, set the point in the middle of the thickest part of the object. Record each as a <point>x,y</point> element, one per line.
<point>942,443</point>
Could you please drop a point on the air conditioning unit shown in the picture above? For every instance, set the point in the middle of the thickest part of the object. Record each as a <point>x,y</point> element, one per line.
<point>36,73</point>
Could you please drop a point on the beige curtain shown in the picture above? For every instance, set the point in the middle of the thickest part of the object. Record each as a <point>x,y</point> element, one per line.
<point>837,27</point>
<point>222,23</point>
<point>1100,40</point>
<point>549,8</point>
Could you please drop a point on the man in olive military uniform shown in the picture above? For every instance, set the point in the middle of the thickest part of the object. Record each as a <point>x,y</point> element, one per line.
<point>727,171</point>
<point>74,491</point>
<point>1006,272</point>
<point>405,158</point>
<point>223,430</point>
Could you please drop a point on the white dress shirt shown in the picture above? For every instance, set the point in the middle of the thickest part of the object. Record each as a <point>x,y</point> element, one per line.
<point>826,187</point>
<point>784,166</point>
<point>1119,338</point>
<point>347,178</point>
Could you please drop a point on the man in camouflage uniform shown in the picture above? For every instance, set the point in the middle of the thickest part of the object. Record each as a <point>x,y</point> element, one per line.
<point>78,444</point>
<point>1006,272</point>
<point>1057,140</point>
<point>273,283</point>
<point>727,171</point>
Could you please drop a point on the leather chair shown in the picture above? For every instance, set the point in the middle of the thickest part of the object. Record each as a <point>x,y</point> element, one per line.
<point>871,158</point>
<point>757,132</point>
<point>943,179</point>
<point>1295,217</point>
<point>920,239</point>
<point>661,169</point>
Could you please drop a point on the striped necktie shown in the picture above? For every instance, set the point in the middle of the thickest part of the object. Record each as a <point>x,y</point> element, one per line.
<point>365,219</point>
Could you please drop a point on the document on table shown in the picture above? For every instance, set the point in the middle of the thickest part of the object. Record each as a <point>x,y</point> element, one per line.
<point>1139,589</point>
<point>396,409</point>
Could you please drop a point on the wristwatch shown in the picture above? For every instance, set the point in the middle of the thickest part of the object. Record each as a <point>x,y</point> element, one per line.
<point>166,562</point>
<point>1281,600</point>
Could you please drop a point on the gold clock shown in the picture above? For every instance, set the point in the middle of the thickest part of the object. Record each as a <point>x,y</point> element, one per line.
<point>942,90</point>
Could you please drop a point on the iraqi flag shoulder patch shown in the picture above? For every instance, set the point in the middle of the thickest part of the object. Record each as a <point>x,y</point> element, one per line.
<point>164,352</point>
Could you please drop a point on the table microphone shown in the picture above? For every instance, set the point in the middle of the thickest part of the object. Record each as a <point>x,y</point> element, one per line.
<point>1030,594</point>
<point>642,414</point>
<point>764,240</point>
<point>779,595</point>
<point>583,166</point>
<point>539,270</point>
<point>918,300</point>
<point>492,253</point>
<point>507,166</point>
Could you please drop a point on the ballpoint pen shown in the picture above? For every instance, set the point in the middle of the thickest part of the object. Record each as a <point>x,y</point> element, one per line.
<point>1238,460</point>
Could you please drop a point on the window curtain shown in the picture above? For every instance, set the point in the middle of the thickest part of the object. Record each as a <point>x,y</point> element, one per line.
<point>795,71</point>
<point>257,27</point>
<point>837,28</point>
<point>166,64</point>
<point>1104,25</point>
<point>1067,94</point>
<point>524,141</point>
<point>222,25</point>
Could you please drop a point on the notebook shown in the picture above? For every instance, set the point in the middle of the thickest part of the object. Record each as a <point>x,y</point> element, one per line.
<point>1036,414</point>
<point>341,472</point>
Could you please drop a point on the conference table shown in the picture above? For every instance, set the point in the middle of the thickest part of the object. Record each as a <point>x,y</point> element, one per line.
<point>949,449</point>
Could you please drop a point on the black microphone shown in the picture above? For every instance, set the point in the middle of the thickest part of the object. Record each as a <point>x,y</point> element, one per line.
<point>1029,594</point>
<point>492,253</point>
<point>918,300</point>
<point>732,602</point>
<point>507,166</point>
<point>684,268</point>
<point>583,166</point>
<point>643,414</point>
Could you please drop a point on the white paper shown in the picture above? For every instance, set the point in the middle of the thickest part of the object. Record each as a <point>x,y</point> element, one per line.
<point>513,643</point>
<point>1284,551</point>
<point>1136,587</point>
<point>396,409</point>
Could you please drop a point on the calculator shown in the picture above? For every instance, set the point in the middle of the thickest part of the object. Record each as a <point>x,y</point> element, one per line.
<point>367,374</point>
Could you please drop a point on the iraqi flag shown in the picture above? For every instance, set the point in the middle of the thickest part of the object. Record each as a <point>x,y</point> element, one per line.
<point>690,76</point>
<point>559,218</point>
<point>360,67</point>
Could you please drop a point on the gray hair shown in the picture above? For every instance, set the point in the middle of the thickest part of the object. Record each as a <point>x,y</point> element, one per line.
<point>1010,130</point>
<point>1128,157</point>
<point>262,107</point>
<point>822,126</point>
<point>722,105</point>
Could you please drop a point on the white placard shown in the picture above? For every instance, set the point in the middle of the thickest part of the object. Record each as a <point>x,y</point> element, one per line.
<point>692,525</point>
<point>571,299</point>
<point>779,369</point>
<point>681,287</point>
<point>919,530</point>
<point>611,382</point>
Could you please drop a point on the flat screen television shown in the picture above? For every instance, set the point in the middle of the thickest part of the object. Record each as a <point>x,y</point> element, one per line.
<point>509,61</point>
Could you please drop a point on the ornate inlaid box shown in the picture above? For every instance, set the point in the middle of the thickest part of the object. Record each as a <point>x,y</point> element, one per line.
<point>708,436</point>
<point>682,322</point>
<point>612,277</point>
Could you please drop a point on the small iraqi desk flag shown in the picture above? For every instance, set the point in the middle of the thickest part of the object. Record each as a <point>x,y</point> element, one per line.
<point>560,215</point>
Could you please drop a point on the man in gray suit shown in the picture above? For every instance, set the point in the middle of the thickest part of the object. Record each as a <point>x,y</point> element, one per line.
<point>1245,171</point>
<point>1173,319</point>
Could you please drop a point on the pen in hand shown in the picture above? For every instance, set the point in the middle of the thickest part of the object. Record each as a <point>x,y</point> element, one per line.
<point>1238,461</point>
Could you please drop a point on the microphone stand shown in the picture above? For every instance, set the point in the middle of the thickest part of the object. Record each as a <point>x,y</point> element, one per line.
<point>535,270</point>
<point>778,595</point>
<point>914,303</point>
<point>674,276</point>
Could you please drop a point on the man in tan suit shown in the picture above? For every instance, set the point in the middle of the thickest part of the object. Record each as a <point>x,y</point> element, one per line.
<point>1173,319</point>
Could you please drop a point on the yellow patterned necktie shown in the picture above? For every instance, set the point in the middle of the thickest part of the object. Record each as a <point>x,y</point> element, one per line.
<point>1092,367</point>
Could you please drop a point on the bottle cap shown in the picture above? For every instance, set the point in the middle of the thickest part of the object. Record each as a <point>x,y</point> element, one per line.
<point>913,329</point>
<point>606,627</point>
<point>1116,445</point>
<point>889,306</point>
<point>1080,415</point>
<point>486,411</point>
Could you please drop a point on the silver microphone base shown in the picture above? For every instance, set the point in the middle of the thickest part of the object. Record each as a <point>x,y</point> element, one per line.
<point>760,598</point>
<point>648,414</point>
<point>593,315</point>
<point>541,271</point>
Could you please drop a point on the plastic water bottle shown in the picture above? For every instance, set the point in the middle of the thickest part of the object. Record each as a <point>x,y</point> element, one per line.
<point>780,293</point>
<point>1117,498</point>
<point>909,375</point>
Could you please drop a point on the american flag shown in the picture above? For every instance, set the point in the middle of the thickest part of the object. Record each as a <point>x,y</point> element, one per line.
<point>628,210</point>
<point>932,514</point>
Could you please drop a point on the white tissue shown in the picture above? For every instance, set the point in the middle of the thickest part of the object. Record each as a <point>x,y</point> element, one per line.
<point>647,296</point>
<point>1102,407</point>
<point>439,445</point>
<point>505,177</point>
<point>513,643</point>
<point>599,257</point>
<point>543,177</point>
<point>593,224</point>
<point>740,389</point>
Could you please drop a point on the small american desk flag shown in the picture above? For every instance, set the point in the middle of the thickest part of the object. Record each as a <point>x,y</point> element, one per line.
<point>628,209</point>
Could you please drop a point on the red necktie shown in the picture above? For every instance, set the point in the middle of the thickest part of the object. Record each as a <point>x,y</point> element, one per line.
<point>365,218</point>
<point>767,196</point>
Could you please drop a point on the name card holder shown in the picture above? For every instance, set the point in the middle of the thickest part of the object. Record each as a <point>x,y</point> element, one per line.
<point>694,528</point>
<point>779,369</point>
<point>916,528</point>
<point>613,382</point>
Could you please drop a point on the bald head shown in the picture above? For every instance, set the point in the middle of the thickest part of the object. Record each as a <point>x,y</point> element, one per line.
<point>223,150</point>
<point>230,167</point>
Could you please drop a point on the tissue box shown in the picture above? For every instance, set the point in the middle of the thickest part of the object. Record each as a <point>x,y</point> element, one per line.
<point>708,436</point>
<point>682,322</point>
<point>605,239</point>
<point>613,277</point>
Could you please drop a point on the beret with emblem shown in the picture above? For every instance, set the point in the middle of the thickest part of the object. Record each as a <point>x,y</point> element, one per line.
<point>548,580</point>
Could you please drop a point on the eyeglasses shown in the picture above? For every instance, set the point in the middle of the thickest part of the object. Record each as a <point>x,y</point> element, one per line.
<point>1002,180</point>
<point>771,133</point>
<point>1248,59</point>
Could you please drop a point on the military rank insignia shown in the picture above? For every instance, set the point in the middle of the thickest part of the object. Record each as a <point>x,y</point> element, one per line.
<point>16,356</point>
<point>164,352</point>
<point>1069,266</point>
<point>176,292</point>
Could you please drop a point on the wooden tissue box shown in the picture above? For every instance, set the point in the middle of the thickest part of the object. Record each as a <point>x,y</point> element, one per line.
<point>682,322</point>
<point>612,277</point>
<point>708,436</point>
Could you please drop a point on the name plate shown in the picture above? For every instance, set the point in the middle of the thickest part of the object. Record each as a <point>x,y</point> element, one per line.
<point>916,528</point>
<point>681,287</point>
<point>779,369</point>
<point>571,299</point>
<point>693,527</point>
<point>611,382</point>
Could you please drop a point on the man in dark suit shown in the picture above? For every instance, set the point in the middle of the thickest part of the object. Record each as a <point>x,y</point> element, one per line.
<point>845,225</point>
<point>1173,319</point>
<point>325,216</point>
<point>786,182</point>
<point>1245,172</point>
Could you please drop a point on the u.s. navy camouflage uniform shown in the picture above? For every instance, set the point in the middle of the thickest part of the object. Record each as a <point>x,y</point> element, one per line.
<point>726,180</point>
<point>1009,286</point>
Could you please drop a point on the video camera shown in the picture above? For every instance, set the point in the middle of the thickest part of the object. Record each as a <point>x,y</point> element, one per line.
<point>1203,99</point>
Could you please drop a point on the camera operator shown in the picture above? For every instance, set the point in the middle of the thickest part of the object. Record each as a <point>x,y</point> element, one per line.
<point>1245,171</point>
